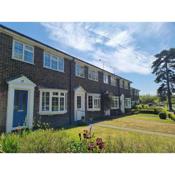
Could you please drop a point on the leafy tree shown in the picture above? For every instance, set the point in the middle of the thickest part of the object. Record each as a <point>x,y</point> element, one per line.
<point>164,69</point>
<point>145,99</point>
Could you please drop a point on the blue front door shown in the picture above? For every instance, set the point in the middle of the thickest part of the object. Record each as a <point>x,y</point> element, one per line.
<point>20,108</point>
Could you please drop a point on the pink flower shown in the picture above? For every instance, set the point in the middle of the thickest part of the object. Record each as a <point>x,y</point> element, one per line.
<point>91,146</point>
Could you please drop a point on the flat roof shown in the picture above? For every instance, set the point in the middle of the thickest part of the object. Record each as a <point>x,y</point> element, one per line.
<point>75,58</point>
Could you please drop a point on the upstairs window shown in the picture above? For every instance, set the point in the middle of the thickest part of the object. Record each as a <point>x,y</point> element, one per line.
<point>79,70</point>
<point>113,81</point>
<point>121,83</point>
<point>53,62</point>
<point>23,52</point>
<point>115,102</point>
<point>93,75</point>
<point>105,78</point>
<point>126,85</point>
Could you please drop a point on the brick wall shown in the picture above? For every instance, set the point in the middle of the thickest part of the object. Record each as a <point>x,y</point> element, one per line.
<point>45,78</point>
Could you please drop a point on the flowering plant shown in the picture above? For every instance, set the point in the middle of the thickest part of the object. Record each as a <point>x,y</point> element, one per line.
<point>91,143</point>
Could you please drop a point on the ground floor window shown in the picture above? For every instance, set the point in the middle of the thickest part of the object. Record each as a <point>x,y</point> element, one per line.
<point>115,102</point>
<point>53,101</point>
<point>127,103</point>
<point>93,102</point>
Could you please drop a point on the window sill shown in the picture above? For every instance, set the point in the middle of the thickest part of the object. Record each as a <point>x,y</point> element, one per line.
<point>52,113</point>
<point>53,69</point>
<point>22,61</point>
<point>92,80</point>
<point>93,110</point>
<point>115,108</point>
<point>79,76</point>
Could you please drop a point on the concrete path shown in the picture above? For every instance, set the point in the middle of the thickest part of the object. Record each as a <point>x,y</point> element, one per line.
<point>136,130</point>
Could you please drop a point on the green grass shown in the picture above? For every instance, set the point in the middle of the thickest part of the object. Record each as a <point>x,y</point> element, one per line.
<point>147,122</point>
<point>49,141</point>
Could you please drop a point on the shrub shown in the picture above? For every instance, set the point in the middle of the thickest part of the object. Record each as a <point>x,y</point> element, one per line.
<point>10,143</point>
<point>1,151</point>
<point>162,115</point>
<point>171,116</point>
<point>149,109</point>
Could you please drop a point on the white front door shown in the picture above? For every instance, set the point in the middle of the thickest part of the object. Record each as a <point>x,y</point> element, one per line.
<point>20,103</point>
<point>79,106</point>
<point>122,103</point>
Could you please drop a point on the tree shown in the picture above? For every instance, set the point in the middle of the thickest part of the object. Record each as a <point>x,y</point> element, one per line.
<point>164,69</point>
<point>146,99</point>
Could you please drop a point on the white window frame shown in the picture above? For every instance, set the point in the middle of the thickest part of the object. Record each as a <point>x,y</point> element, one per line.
<point>127,103</point>
<point>126,85</point>
<point>94,97</point>
<point>94,74</point>
<point>105,78</point>
<point>51,91</point>
<point>113,81</point>
<point>121,83</point>
<point>24,45</point>
<point>77,72</point>
<point>117,99</point>
<point>52,57</point>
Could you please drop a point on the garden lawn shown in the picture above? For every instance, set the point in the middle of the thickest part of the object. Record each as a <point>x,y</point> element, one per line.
<point>145,122</point>
<point>116,140</point>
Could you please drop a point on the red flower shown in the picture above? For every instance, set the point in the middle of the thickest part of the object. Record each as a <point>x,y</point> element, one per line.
<point>99,141</point>
<point>91,146</point>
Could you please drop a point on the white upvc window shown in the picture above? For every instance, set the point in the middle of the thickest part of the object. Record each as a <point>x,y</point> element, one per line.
<point>53,62</point>
<point>115,102</point>
<point>127,103</point>
<point>113,81</point>
<point>93,102</point>
<point>79,70</point>
<point>23,52</point>
<point>121,83</point>
<point>53,101</point>
<point>105,78</point>
<point>126,84</point>
<point>92,74</point>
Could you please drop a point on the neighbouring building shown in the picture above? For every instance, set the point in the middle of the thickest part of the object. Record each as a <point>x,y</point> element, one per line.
<point>41,83</point>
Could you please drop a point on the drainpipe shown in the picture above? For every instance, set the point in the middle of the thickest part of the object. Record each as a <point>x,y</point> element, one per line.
<point>70,92</point>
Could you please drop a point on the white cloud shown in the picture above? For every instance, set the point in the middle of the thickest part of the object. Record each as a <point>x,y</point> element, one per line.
<point>122,38</point>
<point>75,35</point>
<point>119,52</point>
<point>125,60</point>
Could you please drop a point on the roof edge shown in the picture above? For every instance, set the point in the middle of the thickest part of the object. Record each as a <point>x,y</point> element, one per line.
<point>4,28</point>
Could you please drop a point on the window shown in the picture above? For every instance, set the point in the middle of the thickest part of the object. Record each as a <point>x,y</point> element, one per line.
<point>127,103</point>
<point>53,62</point>
<point>78,102</point>
<point>93,75</point>
<point>115,102</point>
<point>90,102</point>
<point>105,78</point>
<point>94,101</point>
<point>53,101</point>
<point>126,85</point>
<point>23,52</point>
<point>113,81</point>
<point>121,83</point>
<point>79,70</point>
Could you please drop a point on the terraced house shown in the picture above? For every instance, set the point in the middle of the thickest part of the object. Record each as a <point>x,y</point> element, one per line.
<point>41,83</point>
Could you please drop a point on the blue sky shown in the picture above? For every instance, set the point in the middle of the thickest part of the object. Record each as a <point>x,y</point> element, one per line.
<point>126,49</point>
